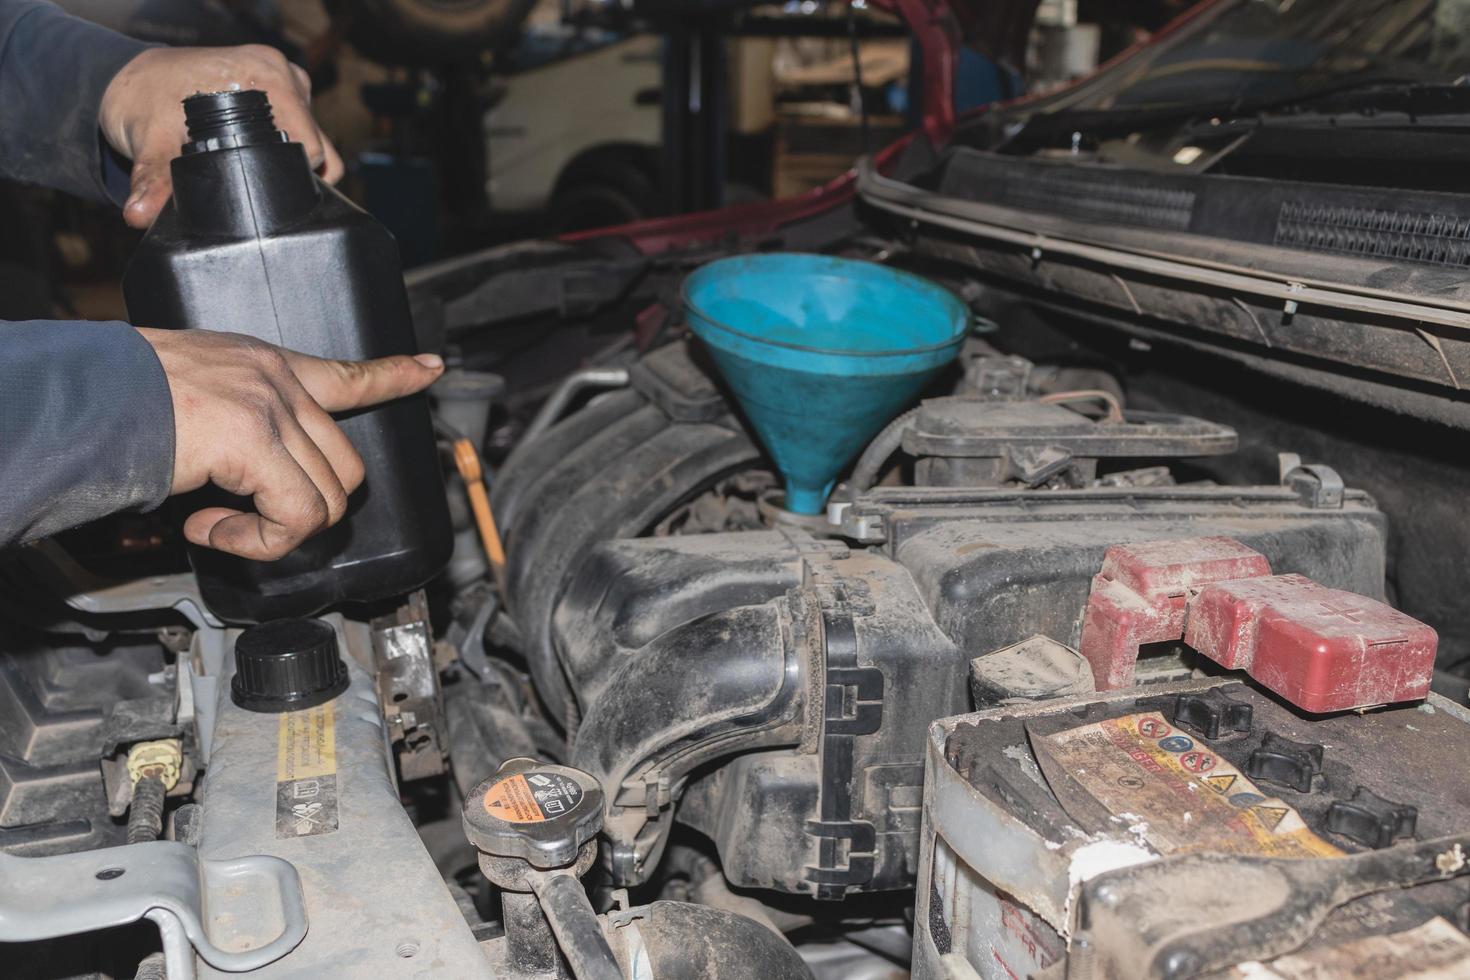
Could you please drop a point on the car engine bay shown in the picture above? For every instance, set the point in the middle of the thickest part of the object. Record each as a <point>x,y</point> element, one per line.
<point>1122,640</point>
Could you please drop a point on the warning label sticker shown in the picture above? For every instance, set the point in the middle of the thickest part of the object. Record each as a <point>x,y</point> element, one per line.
<point>532,797</point>
<point>1434,951</point>
<point>1177,794</point>
<point>306,773</point>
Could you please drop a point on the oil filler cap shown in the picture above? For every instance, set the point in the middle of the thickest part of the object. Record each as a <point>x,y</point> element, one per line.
<point>287,665</point>
<point>535,811</point>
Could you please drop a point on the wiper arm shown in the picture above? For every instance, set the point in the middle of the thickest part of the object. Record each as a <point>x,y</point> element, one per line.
<point>1378,92</point>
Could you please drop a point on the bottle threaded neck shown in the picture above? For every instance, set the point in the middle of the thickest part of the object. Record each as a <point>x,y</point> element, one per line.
<point>216,120</point>
<point>238,174</point>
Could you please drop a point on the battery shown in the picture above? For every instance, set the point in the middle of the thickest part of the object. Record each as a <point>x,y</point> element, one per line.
<point>1195,828</point>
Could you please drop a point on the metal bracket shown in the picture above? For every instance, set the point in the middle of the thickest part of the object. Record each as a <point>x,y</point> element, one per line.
<point>91,594</point>
<point>164,881</point>
<point>1319,486</point>
<point>407,681</point>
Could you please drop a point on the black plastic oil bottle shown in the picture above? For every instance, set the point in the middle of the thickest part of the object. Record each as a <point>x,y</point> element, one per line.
<point>253,243</point>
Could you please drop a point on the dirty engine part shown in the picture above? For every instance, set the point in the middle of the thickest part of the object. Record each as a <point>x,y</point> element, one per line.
<point>1194,827</point>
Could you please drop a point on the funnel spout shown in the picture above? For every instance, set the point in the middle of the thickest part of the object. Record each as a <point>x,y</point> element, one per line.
<point>821,353</point>
<point>807,500</point>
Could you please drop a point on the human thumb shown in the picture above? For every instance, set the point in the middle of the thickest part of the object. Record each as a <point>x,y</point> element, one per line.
<point>151,186</point>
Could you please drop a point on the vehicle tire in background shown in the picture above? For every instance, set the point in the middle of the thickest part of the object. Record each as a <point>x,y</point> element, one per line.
<point>429,32</point>
<point>615,192</point>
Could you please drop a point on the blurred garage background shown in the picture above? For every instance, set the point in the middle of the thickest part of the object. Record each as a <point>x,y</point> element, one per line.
<point>471,122</point>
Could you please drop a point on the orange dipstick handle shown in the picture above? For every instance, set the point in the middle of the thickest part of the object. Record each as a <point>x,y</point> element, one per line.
<point>467,461</point>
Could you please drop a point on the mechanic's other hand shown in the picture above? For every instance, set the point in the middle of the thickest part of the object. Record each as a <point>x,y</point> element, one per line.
<point>252,419</point>
<point>142,117</point>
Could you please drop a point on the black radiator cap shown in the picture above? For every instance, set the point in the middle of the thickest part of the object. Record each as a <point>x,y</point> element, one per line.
<point>287,665</point>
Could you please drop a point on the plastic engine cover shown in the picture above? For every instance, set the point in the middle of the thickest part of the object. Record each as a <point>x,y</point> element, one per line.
<point>772,690</point>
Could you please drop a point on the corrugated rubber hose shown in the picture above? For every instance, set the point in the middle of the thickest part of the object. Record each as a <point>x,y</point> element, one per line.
<point>145,816</point>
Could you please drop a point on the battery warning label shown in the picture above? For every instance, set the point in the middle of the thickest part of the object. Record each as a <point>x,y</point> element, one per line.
<point>532,797</point>
<point>1179,795</point>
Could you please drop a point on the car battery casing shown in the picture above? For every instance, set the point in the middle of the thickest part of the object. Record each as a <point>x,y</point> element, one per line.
<point>1024,804</point>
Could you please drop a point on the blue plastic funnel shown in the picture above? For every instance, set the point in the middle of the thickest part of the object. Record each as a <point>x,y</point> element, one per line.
<point>821,352</point>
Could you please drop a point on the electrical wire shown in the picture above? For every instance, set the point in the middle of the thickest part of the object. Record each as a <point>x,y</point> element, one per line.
<point>1115,408</point>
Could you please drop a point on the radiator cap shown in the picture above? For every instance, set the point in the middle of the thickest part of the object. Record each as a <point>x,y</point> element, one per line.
<point>536,811</point>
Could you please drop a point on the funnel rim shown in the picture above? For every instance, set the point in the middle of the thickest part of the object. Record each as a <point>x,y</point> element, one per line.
<point>961,311</point>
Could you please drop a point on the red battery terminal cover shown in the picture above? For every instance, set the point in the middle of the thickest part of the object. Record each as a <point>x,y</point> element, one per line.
<point>1141,593</point>
<point>1321,649</point>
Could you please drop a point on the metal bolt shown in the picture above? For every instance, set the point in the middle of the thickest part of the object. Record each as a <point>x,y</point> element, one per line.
<point>1081,960</point>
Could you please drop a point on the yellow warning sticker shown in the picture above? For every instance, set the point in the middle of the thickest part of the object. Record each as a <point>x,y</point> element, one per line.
<point>1176,793</point>
<point>307,744</point>
<point>306,773</point>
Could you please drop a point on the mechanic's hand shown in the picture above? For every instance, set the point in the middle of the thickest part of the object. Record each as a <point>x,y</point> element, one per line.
<point>252,419</point>
<point>142,118</point>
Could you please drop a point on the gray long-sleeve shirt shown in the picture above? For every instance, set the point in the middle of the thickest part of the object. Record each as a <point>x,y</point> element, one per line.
<point>86,420</point>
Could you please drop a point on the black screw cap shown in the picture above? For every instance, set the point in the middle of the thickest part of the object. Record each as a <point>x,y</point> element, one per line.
<point>287,665</point>
<point>1280,760</point>
<point>1371,820</point>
